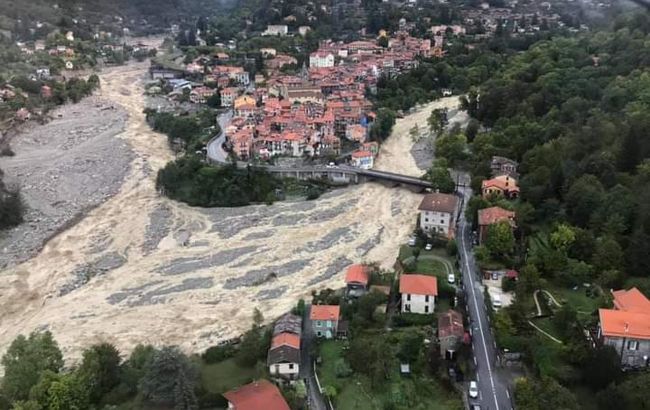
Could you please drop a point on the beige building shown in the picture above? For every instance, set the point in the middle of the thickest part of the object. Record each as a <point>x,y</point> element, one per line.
<point>438,213</point>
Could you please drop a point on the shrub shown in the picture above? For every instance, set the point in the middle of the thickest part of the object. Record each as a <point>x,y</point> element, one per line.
<point>216,354</point>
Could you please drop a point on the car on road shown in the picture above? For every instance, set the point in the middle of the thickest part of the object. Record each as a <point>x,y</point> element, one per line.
<point>475,407</point>
<point>412,241</point>
<point>451,278</point>
<point>428,247</point>
<point>473,389</point>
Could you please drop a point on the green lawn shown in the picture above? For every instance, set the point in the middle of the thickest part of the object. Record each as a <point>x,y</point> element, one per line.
<point>223,376</point>
<point>354,392</point>
<point>578,299</point>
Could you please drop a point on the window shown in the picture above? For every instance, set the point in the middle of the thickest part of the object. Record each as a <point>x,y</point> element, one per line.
<point>319,334</point>
<point>319,323</point>
<point>277,368</point>
<point>426,298</point>
<point>290,366</point>
<point>329,323</point>
<point>442,221</point>
<point>426,219</point>
<point>407,308</point>
<point>408,297</point>
<point>426,309</point>
<point>632,345</point>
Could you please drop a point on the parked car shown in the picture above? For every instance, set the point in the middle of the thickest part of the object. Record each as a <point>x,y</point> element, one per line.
<point>496,302</point>
<point>451,278</point>
<point>475,407</point>
<point>473,389</point>
<point>412,241</point>
<point>428,247</point>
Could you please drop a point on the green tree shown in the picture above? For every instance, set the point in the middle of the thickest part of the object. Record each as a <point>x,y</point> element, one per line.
<point>100,370</point>
<point>451,146</point>
<point>602,368</point>
<point>411,347</point>
<point>437,120</point>
<point>169,379</point>
<point>441,179</point>
<point>500,240</point>
<point>67,393</point>
<point>25,360</point>
<point>563,237</point>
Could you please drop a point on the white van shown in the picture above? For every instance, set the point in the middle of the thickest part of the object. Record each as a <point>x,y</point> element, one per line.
<point>496,302</point>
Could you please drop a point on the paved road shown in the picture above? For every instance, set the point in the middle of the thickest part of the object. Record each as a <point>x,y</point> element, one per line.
<point>215,151</point>
<point>316,399</point>
<point>493,392</point>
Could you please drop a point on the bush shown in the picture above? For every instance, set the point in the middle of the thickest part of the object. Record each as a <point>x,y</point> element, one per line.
<point>452,247</point>
<point>342,369</point>
<point>216,354</point>
<point>412,319</point>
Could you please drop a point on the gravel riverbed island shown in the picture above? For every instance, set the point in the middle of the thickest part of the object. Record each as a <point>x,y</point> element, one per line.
<point>64,168</point>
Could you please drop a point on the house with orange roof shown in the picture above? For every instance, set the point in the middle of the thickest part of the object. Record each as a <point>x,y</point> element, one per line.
<point>362,159</point>
<point>260,394</point>
<point>502,185</point>
<point>356,132</point>
<point>283,357</point>
<point>491,216</point>
<point>418,293</point>
<point>626,328</point>
<point>357,279</point>
<point>228,96</point>
<point>325,320</point>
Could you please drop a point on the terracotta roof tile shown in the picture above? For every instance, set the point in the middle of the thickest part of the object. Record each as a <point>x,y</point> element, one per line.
<point>258,395</point>
<point>325,312</point>
<point>620,323</point>
<point>415,284</point>
<point>357,273</point>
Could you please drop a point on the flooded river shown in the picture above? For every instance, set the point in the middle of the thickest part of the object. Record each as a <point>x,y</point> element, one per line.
<point>143,269</point>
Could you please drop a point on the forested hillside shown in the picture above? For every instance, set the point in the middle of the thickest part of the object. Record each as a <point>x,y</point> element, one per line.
<point>141,16</point>
<point>573,111</point>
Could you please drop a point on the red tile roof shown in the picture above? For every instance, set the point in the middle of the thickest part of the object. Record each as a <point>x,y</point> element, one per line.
<point>357,274</point>
<point>285,339</point>
<point>495,214</point>
<point>450,323</point>
<point>361,154</point>
<point>418,284</point>
<point>260,394</point>
<point>631,300</point>
<point>619,323</point>
<point>325,312</point>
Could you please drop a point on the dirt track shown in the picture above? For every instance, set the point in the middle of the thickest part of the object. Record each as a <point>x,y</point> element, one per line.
<point>135,283</point>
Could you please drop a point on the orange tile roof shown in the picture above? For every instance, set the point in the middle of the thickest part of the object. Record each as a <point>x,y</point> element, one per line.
<point>261,394</point>
<point>286,339</point>
<point>357,273</point>
<point>361,154</point>
<point>418,284</point>
<point>620,323</point>
<point>631,300</point>
<point>501,184</point>
<point>325,312</point>
<point>492,215</point>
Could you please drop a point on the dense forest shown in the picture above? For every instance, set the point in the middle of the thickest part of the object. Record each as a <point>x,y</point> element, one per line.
<point>573,112</point>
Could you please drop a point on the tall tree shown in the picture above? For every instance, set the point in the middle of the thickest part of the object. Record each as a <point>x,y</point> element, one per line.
<point>25,360</point>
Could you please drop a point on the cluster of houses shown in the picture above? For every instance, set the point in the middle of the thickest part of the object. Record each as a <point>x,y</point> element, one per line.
<point>309,113</point>
<point>302,114</point>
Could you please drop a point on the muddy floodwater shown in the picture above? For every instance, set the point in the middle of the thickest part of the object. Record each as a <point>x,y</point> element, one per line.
<point>140,268</point>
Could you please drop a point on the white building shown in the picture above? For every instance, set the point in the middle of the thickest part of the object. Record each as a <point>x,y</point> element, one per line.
<point>418,293</point>
<point>321,60</point>
<point>276,30</point>
<point>438,214</point>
